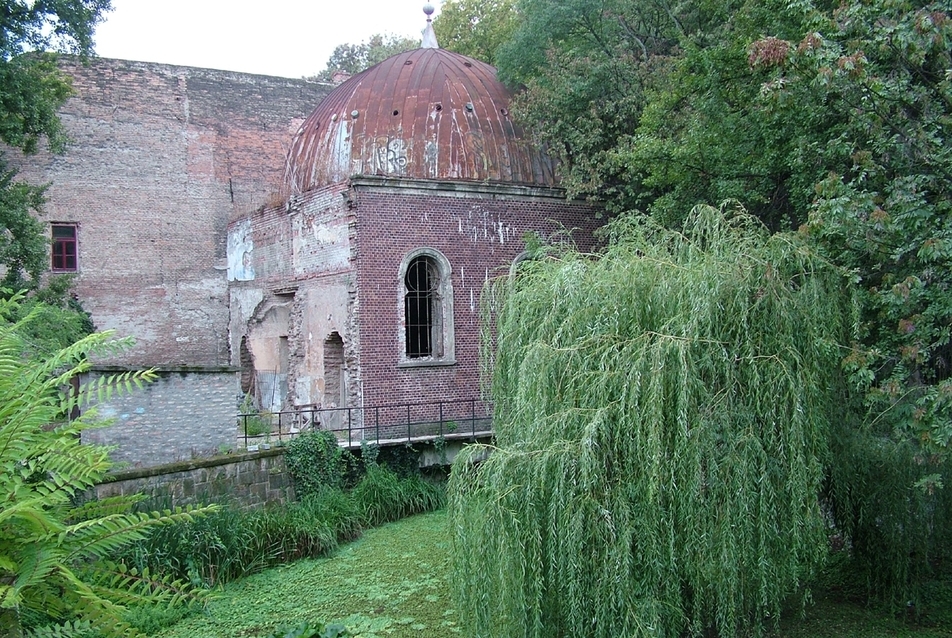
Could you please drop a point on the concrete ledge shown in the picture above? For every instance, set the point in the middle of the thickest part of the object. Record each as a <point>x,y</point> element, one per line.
<point>165,368</point>
<point>185,466</point>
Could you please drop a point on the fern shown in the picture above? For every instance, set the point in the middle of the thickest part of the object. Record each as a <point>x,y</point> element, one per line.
<point>53,551</point>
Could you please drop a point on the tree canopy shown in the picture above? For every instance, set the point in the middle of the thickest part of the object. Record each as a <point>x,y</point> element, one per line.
<point>826,119</point>
<point>351,59</point>
<point>830,115</point>
<point>476,28</point>
<point>663,417</point>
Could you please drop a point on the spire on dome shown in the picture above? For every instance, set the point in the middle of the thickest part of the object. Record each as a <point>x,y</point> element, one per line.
<point>429,36</point>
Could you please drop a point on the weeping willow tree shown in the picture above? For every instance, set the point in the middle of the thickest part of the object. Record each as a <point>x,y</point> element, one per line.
<point>662,416</point>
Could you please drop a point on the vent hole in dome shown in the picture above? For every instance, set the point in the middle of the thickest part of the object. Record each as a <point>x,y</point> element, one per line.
<point>469,106</point>
<point>504,112</point>
<point>408,62</point>
<point>467,64</point>
<point>439,107</point>
<point>396,112</point>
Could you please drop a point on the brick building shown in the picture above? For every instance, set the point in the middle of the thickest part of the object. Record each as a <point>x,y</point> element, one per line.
<point>161,158</point>
<point>315,247</point>
<point>409,187</point>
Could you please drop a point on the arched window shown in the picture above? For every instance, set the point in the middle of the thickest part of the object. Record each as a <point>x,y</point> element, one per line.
<point>426,301</point>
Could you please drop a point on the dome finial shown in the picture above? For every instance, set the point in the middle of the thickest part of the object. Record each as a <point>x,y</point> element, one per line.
<point>429,36</point>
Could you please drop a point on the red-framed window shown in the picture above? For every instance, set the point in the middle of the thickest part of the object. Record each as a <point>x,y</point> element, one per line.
<point>64,254</point>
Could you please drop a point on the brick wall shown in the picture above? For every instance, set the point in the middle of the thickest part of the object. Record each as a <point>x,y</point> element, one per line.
<point>161,158</point>
<point>180,416</point>
<point>479,228</point>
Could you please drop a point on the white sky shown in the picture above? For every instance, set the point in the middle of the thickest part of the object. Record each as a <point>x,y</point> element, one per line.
<point>286,38</point>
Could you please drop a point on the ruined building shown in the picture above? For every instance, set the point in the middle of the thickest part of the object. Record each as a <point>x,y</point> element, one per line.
<point>313,246</point>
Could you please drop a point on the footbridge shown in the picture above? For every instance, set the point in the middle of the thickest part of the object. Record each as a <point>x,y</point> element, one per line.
<point>438,429</point>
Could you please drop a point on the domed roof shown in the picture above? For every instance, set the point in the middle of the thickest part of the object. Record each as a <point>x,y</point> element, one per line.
<point>427,114</point>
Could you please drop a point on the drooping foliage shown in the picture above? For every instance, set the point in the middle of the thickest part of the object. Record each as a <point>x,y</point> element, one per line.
<point>662,415</point>
<point>831,115</point>
<point>55,551</point>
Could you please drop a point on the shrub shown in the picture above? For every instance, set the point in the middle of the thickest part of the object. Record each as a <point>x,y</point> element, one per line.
<point>232,542</point>
<point>315,461</point>
<point>895,526</point>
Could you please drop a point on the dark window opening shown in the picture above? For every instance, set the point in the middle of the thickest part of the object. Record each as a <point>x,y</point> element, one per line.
<point>64,248</point>
<point>421,282</point>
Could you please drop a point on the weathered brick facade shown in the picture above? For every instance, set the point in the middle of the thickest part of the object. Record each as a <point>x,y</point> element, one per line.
<point>326,266</point>
<point>191,240</point>
<point>480,230</point>
<point>162,157</point>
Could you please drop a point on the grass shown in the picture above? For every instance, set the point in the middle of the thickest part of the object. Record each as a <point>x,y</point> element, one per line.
<point>394,582</point>
<point>830,617</point>
<point>391,582</point>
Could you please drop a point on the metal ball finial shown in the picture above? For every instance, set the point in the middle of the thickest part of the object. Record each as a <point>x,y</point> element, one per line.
<point>428,9</point>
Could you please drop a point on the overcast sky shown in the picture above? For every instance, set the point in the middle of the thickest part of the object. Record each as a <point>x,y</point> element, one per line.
<point>288,38</point>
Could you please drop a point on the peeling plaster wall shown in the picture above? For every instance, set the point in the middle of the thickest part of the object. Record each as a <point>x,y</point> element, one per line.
<point>303,260</point>
<point>325,309</point>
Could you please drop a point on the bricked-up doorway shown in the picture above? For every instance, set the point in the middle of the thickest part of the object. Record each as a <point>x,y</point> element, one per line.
<point>334,386</point>
<point>334,390</point>
<point>247,364</point>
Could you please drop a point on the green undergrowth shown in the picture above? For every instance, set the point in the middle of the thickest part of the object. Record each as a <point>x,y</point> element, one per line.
<point>830,616</point>
<point>233,543</point>
<point>391,582</point>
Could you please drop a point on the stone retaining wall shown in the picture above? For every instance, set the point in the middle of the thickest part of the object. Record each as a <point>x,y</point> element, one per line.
<point>249,480</point>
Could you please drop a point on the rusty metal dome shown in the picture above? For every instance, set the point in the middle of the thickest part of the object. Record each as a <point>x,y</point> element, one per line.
<point>426,114</point>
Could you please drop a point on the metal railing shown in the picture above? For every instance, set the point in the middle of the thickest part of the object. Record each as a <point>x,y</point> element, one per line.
<point>381,424</point>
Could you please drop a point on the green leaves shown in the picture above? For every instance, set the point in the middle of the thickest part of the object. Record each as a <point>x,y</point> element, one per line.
<point>53,551</point>
<point>476,28</point>
<point>354,58</point>
<point>663,415</point>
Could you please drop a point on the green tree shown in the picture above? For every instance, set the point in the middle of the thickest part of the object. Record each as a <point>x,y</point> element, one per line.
<point>663,416</point>
<point>54,551</point>
<point>834,116</point>
<point>587,68</point>
<point>354,58</point>
<point>476,28</point>
<point>31,91</point>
